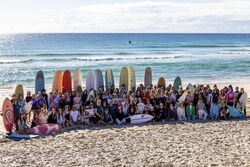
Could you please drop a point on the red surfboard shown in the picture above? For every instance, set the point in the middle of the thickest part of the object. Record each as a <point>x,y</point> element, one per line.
<point>8,115</point>
<point>67,82</point>
<point>45,129</point>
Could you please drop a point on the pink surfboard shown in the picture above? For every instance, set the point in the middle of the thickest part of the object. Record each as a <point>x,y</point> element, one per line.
<point>8,115</point>
<point>45,129</point>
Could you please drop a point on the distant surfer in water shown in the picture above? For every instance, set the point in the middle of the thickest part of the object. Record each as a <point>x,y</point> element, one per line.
<point>129,42</point>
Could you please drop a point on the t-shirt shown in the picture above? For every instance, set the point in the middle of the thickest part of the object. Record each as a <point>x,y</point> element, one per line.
<point>140,107</point>
<point>74,115</point>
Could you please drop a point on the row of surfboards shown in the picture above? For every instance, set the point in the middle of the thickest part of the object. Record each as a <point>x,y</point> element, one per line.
<point>63,81</point>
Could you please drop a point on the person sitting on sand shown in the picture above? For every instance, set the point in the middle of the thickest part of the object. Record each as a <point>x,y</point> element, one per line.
<point>149,109</point>
<point>35,121</point>
<point>67,117</point>
<point>224,112</point>
<point>160,112</point>
<point>74,114</point>
<point>181,112</point>
<point>60,117</point>
<point>230,97</point>
<point>43,116</point>
<point>172,112</point>
<point>120,117</point>
<point>201,108</point>
<point>107,118</point>
<point>22,124</point>
<point>140,106</point>
<point>125,107</point>
<point>214,111</point>
<point>52,118</point>
<point>190,111</point>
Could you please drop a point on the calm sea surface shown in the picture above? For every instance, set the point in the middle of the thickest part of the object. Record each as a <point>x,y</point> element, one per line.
<point>196,58</point>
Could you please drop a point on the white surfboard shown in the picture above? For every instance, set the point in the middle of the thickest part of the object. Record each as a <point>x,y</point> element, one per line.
<point>140,118</point>
<point>183,97</point>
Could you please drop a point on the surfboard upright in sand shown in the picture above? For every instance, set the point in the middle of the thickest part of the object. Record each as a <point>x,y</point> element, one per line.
<point>148,77</point>
<point>90,80</point>
<point>161,82</point>
<point>124,78</point>
<point>98,80</point>
<point>77,80</point>
<point>131,78</point>
<point>39,82</point>
<point>8,115</point>
<point>177,83</point>
<point>19,90</point>
<point>109,80</point>
<point>57,81</point>
<point>66,82</point>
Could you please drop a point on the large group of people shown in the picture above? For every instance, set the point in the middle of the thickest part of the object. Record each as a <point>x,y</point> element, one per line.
<point>115,106</point>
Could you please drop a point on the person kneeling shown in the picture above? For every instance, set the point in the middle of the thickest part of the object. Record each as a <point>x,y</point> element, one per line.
<point>202,111</point>
<point>120,117</point>
<point>224,113</point>
<point>22,124</point>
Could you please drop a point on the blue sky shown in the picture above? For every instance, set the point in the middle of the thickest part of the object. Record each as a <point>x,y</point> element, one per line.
<point>124,16</point>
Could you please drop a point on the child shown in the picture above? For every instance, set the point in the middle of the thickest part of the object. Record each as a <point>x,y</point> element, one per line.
<point>190,111</point>
<point>35,121</point>
<point>181,112</point>
<point>22,124</point>
<point>60,118</point>
<point>107,118</point>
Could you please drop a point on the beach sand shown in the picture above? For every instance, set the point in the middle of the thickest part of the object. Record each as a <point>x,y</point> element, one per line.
<point>224,143</point>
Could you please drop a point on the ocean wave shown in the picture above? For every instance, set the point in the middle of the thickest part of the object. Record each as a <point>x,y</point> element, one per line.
<point>90,59</point>
<point>236,51</point>
<point>209,46</point>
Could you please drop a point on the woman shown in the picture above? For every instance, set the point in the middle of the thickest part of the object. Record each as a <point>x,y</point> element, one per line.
<point>74,115</point>
<point>172,112</point>
<point>242,101</point>
<point>230,96</point>
<point>43,116</point>
<point>28,97</point>
<point>67,117</point>
<point>120,117</point>
<point>77,101</point>
<point>181,112</point>
<point>22,124</point>
<point>201,108</point>
<point>125,107</point>
<point>52,118</point>
<point>149,109</point>
<point>60,118</point>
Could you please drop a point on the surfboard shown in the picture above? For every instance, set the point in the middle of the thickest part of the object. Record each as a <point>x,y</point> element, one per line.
<point>28,106</point>
<point>99,80</point>
<point>39,82</point>
<point>191,87</point>
<point>183,97</point>
<point>45,129</point>
<point>161,82</point>
<point>77,80</point>
<point>19,90</point>
<point>66,82</point>
<point>109,80</point>
<point>90,80</point>
<point>57,81</point>
<point>8,115</point>
<point>148,77</point>
<point>124,78</point>
<point>21,136</point>
<point>243,99</point>
<point>131,78</point>
<point>140,118</point>
<point>177,83</point>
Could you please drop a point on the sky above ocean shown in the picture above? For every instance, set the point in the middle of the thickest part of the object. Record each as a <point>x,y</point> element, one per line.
<point>220,16</point>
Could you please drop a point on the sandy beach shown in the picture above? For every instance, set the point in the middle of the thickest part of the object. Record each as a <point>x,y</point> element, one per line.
<point>224,143</point>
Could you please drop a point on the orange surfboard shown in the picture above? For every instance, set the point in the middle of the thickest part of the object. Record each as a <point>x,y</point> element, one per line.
<point>8,115</point>
<point>57,81</point>
<point>67,82</point>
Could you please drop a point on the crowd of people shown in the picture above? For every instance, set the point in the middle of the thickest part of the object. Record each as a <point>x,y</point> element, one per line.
<point>115,106</point>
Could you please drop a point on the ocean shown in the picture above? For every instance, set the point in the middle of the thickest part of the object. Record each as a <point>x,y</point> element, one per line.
<point>196,58</point>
